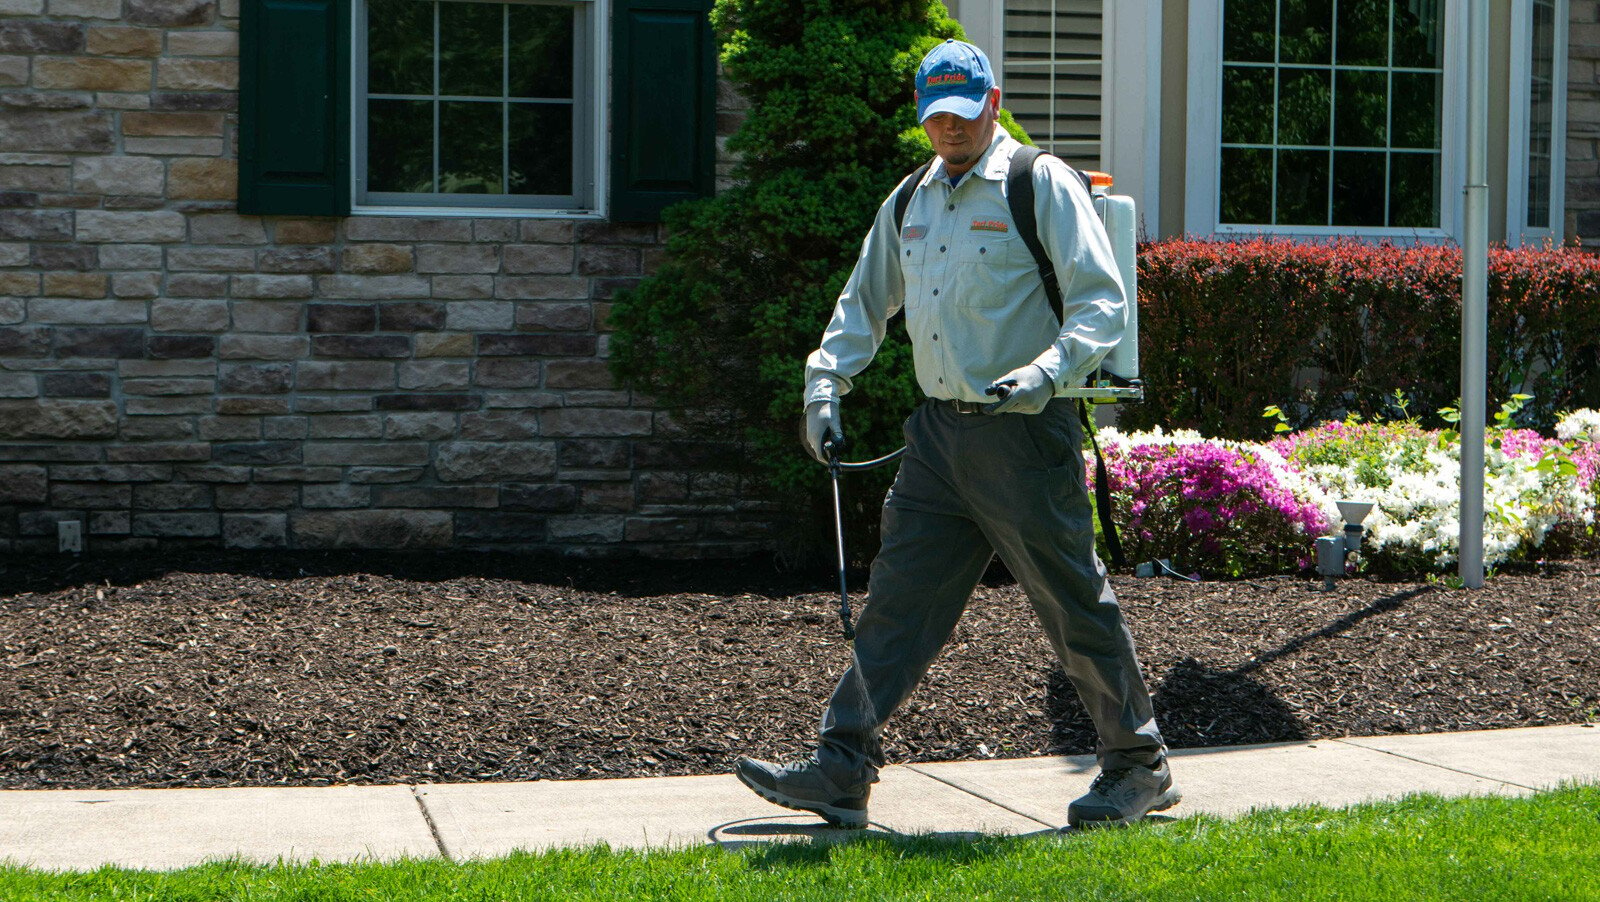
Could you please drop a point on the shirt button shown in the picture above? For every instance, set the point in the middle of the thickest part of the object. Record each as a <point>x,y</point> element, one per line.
<point>941,381</point>
<point>908,253</point>
<point>935,336</point>
<point>951,207</point>
<point>981,250</point>
<point>936,292</point>
<point>941,248</point>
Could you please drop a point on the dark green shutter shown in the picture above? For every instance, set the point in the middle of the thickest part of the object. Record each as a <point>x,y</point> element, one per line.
<point>664,106</point>
<point>294,107</point>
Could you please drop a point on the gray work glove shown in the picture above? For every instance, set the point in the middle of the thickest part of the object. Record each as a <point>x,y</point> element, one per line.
<point>822,423</point>
<point>1023,390</point>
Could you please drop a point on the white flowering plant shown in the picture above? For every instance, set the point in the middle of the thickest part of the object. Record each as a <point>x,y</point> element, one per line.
<point>1187,496</point>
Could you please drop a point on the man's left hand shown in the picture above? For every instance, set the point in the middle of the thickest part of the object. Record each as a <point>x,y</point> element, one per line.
<point>1024,390</point>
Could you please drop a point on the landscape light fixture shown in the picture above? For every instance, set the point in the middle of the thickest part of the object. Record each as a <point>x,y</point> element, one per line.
<point>1332,551</point>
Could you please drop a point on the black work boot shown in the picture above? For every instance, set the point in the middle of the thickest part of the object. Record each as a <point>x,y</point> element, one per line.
<point>803,786</point>
<point>1123,795</point>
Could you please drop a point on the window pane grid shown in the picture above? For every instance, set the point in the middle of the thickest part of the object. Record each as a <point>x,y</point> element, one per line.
<point>485,138</point>
<point>1331,154</point>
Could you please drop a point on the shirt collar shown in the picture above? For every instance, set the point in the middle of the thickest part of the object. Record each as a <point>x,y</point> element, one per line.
<point>994,163</point>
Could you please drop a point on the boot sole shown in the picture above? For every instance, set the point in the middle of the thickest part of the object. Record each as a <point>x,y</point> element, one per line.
<point>1164,801</point>
<point>843,818</point>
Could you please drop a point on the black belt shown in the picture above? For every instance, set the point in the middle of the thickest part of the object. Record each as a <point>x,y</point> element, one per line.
<point>961,406</point>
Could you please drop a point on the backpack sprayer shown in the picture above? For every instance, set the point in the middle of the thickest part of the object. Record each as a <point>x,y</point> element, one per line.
<point>1117,377</point>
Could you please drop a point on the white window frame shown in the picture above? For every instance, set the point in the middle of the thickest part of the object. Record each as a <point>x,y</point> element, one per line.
<point>1517,231</point>
<point>1203,177</point>
<point>592,167</point>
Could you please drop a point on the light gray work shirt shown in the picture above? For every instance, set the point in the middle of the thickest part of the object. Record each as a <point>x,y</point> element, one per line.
<point>975,305</point>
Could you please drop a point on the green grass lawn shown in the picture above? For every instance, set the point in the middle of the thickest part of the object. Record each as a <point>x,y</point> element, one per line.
<point>1545,847</point>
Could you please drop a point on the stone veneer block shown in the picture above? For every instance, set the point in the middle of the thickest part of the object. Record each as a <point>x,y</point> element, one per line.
<point>170,124</point>
<point>122,41</point>
<point>173,147</point>
<point>443,345</point>
<point>171,12</point>
<point>56,310</point>
<point>468,461</point>
<point>301,259</point>
<point>376,259</point>
<point>14,72</point>
<point>388,529</point>
<point>35,225</point>
<point>541,288</point>
<point>31,420</point>
<point>539,259</point>
<point>203,43</point>
<point>227,228</point>
<point>90,74</point>
<point>189,316</point>
<point>86,9</point>
<point>203,179</point>
<point>50,131</point>
<point>156,227</point>
<point>305,231</point>
<point>76,284</point>
<point>455,259</point>
<point>197,75</point>
<point>255,531</point>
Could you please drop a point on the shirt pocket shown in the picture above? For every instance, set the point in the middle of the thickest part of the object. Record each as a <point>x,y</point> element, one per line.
<point>986,265</point>
<point>913,257</point>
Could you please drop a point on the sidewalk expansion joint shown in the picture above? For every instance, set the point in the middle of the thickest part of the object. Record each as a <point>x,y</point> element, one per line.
<point>1447,767</point>
<point>433,828</point>
<point>978,795</point>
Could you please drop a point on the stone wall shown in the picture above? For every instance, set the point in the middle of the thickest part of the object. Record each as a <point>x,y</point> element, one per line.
<point>1583,123</point>
<point>174,373</point>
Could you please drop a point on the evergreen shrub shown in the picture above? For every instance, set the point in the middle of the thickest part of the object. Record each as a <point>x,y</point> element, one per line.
<point>1323,330</point>
<point>720,332</point>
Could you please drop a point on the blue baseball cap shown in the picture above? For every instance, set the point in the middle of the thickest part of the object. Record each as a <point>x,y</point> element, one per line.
<point>954,78</point>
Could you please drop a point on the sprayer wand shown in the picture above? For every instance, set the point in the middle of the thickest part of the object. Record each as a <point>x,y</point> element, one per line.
<point>833,447</point>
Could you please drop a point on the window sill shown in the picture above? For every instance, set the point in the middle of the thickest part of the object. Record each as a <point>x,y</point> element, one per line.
<point>476,213</point>
<point>1317,233</point>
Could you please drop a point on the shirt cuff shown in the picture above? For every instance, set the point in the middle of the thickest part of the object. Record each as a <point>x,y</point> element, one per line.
<point>1050,362</point>
<point>821,389</point>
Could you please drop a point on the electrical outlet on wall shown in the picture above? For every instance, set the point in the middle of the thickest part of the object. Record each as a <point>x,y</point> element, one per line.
<point>69,536</point>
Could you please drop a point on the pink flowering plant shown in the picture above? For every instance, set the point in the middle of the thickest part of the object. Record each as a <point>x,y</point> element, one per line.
<point>1224,508</point>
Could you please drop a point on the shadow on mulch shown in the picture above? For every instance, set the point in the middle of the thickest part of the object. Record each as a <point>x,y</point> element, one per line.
<point>1200,703</point>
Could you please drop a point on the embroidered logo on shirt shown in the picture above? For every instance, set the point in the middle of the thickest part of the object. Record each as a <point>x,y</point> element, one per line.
<point>989,225</point>
<point>913,232</point>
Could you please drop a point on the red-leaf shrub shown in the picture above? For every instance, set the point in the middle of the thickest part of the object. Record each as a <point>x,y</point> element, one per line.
<point>1322,329</point>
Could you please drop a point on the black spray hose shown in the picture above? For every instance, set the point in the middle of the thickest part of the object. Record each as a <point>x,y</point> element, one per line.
<point>832,447</point>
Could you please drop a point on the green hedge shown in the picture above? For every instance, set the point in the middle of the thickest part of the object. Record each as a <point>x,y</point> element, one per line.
<point>1324,329</point>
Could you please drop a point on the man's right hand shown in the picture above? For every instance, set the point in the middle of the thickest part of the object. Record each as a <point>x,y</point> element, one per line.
<point>822,424</point>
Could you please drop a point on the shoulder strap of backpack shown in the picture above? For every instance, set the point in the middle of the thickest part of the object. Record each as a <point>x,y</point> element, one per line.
<point>902,198</point>
<point>1019,194</point>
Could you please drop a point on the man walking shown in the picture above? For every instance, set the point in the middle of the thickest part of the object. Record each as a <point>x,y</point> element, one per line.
<point>980,476</point>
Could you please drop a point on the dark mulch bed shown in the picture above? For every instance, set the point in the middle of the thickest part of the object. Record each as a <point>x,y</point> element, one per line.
<point>226,670</point>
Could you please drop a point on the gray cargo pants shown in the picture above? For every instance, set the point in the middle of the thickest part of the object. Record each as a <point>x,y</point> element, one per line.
<point>971,485</point>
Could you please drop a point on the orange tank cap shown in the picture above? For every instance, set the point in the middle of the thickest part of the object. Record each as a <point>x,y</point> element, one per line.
<point>1098,179</point>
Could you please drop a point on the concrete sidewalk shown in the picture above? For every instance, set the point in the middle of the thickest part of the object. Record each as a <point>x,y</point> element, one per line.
<point>172,828</point>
